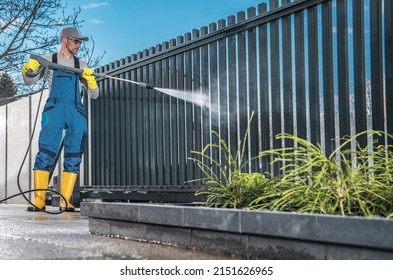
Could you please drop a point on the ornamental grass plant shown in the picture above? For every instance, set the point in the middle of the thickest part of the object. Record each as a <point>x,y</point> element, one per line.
<point>230,187</point>
<point>346,182</point>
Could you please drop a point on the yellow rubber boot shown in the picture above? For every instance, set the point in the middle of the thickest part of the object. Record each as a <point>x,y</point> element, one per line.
<point>68,180</point>
<point>41,181</point>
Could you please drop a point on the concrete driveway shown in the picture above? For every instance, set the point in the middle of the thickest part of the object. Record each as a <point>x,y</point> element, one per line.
<point>40,236</point>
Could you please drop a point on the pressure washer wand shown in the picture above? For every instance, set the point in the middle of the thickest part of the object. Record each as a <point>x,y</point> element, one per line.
<point>54,66</point>
<point>146,85</point>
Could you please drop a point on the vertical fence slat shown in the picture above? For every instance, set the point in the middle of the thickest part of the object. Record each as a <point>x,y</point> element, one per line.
<point>152,95</point>
<point>166,119</point>
<point>264,89</point>
<point>101,148</point>
<point>97,128</point>
<point>275,78</point>
<point>140,135</point>
<point>129,131</point>
<point>181,119</point>
<point>134,137</point>
<point>123,128</point>
<point>253,90</point>
<point>223,90</point>
<point>107,147</point>
<point>242,92</point>
<point>146,99</point>
<point>359,71</point>
<point>313,69</point>
<point>232,88</point>
<point>160,121</point>
<point>173,118</point>
<point>342,58</point>
<point>214,105</point>
<point>328,92</point>
<point>287,75</point>
<point>189,112</point>
<point>205,83</point>
<point>117,166</point>
<point>112,129</point>
<point>196,63</point>
<point>389,66</point>
<point>301,106</point>
<point>376,67</point>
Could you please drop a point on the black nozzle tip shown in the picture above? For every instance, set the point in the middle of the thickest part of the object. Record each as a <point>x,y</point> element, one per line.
<point>149,86</point>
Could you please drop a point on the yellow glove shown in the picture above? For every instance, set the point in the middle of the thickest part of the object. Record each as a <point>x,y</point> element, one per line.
<point>32,65</point>
<point>90,79</point>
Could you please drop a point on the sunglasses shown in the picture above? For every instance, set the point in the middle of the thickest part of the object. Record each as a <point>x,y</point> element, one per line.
<point>76,42</point>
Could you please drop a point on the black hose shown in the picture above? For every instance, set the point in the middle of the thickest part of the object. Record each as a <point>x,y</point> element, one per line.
<point>24,159</point>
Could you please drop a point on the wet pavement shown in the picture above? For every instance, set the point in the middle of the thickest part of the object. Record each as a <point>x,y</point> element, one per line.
<point>40,236</point>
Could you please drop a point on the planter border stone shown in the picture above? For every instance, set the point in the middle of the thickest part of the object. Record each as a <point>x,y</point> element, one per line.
<point>253,234</point>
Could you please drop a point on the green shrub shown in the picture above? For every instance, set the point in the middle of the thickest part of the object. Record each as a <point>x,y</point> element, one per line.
<point>230,187</point>
<point>345,182</point>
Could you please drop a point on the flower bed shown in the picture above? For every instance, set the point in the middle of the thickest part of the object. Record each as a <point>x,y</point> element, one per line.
<point>252,234</point>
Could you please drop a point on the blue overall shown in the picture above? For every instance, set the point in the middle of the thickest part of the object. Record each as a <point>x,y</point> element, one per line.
<point>63,111</point>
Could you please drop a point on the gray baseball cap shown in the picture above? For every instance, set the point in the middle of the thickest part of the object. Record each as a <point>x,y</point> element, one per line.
<point>72,32</point>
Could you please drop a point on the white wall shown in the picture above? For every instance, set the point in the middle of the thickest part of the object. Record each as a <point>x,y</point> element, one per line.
<point>2,151</point>
<point>18,128</point>
<point>16,123</point>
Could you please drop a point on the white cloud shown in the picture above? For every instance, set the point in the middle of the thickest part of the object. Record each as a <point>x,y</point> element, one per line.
<point>94,5</point>
<point>95,21</point>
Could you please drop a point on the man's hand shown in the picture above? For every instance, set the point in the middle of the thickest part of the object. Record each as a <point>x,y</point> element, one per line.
<point>32,65</point>
<point>90,79</point>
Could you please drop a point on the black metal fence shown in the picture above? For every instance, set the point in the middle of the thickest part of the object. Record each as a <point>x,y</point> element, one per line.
<point>318,69</point>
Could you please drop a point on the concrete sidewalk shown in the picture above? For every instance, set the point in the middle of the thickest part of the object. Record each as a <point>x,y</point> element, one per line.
<point>40,236</point>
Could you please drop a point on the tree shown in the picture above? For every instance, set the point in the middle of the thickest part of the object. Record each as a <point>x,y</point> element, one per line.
<point>7,88</point>
<point>32,26</point>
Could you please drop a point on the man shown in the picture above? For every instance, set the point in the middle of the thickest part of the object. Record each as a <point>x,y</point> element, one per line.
<point>63,111</point>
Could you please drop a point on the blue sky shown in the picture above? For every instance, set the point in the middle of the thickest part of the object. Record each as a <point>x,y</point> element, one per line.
<point>122,28</point>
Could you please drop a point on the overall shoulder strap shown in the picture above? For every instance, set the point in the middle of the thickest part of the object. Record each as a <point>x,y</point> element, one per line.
<point>54,58</point>
<point>77,65</point>
<point>76,62</point>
